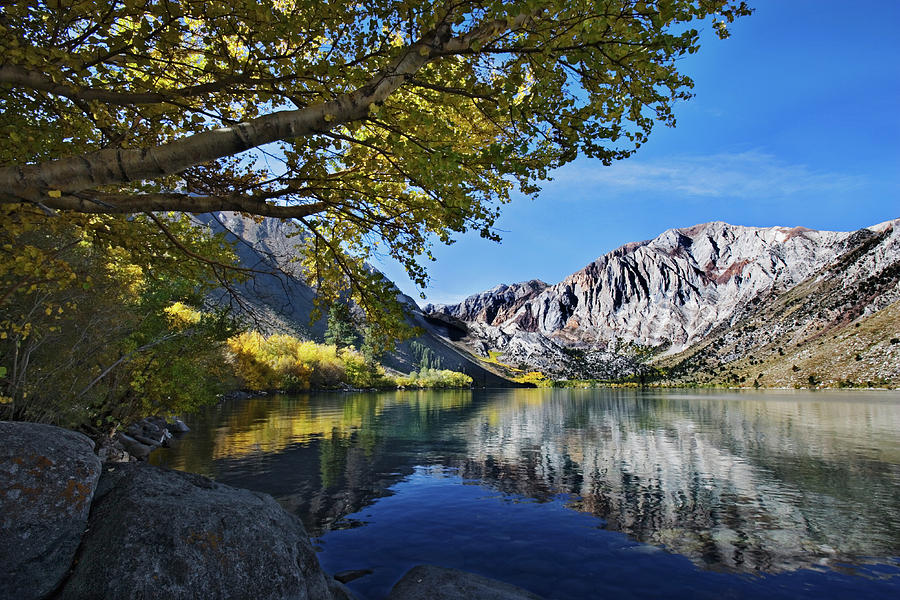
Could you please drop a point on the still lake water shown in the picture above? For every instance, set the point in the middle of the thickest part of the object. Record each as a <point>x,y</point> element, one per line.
<point>580,493</point>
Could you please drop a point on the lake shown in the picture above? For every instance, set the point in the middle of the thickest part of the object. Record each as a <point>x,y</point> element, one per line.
<point>570,494</point>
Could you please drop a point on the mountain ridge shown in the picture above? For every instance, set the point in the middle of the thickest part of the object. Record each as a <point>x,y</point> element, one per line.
<point>666,294</point>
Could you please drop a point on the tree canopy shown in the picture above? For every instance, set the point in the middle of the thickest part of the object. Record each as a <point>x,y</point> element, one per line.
<point>379,126</point>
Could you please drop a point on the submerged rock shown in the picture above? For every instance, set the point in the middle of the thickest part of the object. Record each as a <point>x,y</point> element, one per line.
<point>156,533</point>
<point>150,431</point>
<point>178,426</point>
<point>351,574</point>
<point>428,582</point>
<point>47,479</point>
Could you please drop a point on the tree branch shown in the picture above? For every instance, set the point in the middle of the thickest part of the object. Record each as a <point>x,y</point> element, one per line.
<point>188,252</point>
<point>115,166</point>
<point>122,359</point>
<point>451,90</point>
<point>124,203</point>
<point>19,77</point>
<point>35,183</point>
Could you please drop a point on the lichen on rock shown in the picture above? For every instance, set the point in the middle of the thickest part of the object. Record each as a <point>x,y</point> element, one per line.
<point>47,480</point>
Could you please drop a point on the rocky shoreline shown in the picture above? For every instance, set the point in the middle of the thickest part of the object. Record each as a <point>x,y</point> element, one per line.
<point>75,526</point>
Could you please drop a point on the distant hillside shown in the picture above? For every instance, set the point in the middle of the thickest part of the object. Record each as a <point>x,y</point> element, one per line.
<point>279,300</point>
<point>713,303</point>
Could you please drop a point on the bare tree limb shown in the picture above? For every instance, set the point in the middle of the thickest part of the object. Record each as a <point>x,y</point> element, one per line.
<point>19,77</point>
<point>188,252</point>
<point>128,356</point>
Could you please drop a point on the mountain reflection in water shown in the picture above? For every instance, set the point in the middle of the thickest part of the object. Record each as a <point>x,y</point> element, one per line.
<point>748,482</point>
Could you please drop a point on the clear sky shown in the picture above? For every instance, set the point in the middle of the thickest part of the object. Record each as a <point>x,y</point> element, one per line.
<point>796,121</point>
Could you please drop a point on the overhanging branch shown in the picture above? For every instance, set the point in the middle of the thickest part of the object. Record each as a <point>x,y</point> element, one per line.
<point>34,183</point>
<point>133,203</point>
<point>18,77</point>
<point>57,183</point>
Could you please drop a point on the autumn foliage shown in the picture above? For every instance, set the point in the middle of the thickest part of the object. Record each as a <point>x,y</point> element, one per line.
<point>282,362</point>
<point>99,326</point>
<point>383,127</point>
<point>438,379</point>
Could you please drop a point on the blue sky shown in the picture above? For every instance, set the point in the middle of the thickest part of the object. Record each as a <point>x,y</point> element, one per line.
<point>796,121</point>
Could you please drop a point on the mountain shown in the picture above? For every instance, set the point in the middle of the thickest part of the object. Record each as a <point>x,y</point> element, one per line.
<point>277,299</point>
<point>692,300</point>
<point>840,326</point>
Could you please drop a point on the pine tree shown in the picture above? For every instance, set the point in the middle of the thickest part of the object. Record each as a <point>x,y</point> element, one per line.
<point>340,330</point>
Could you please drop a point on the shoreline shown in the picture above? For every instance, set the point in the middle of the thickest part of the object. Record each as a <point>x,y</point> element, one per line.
<point>121,530</point>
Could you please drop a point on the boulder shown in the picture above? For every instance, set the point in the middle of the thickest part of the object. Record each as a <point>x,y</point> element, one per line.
<point>178,426</point>
<point>133,447</point>
<point>159,423</point>
<point>47,479</point>
<point>151,442</point>
<point>156,533</point>
<point>428,582</point>
<point>150,431</point>
<point>111,450</point>
<point>339,591</point>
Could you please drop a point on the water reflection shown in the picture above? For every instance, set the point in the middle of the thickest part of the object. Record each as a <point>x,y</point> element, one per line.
<point>732,482</point>
<point>747,482</point>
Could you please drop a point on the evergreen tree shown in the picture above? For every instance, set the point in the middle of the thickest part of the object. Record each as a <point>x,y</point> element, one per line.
<point>340,330</point>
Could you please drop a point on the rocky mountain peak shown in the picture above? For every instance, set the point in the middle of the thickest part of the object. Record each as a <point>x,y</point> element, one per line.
<point>668,292</point>
<point>492,306</point>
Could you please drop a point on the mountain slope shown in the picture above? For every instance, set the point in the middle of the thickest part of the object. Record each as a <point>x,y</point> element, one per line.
<point>678,292</point>
<point>839,327</point>
<point>277,299</point>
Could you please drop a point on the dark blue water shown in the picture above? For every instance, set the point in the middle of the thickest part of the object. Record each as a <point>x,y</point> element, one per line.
<point>581,493</point>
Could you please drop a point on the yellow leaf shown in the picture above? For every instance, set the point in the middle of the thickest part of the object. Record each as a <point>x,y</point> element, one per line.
<point>54,193</point>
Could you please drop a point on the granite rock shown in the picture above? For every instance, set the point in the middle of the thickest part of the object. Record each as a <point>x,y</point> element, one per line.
<point>665,294</point>
<point>429,582</point>
<point>48,477</point>
<point>156,533</point>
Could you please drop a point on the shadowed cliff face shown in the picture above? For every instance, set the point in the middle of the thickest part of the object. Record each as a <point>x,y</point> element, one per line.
<point>279,300</point>
<point>669,292</point>
<point>276,297</point>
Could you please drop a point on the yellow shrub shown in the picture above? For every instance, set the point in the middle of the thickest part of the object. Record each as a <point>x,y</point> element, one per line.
<point>249,362</point>
<point>286,363</point>
<point>535,377</point>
